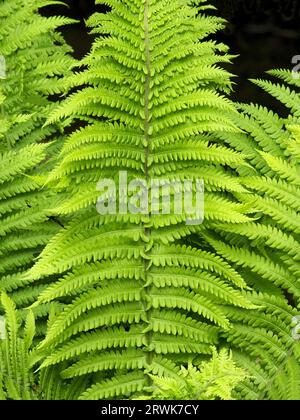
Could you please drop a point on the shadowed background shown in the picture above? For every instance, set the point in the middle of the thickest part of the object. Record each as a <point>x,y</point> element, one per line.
<point>265,35</point>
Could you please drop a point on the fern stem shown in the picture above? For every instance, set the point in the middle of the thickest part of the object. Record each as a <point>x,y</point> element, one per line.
<point>147,230</point>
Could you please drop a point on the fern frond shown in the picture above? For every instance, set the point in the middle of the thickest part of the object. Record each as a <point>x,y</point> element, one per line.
<point>266,250</point>
<point>36,57</point>
<point>136,296</point>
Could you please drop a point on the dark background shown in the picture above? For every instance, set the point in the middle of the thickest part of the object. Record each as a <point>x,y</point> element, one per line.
<point>265,35</point>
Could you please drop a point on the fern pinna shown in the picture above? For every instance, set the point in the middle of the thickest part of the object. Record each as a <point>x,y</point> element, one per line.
<point>33,59</point>
<point>139,301</point>
<point>268,249</point>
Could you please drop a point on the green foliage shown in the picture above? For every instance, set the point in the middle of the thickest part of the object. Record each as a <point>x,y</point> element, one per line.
<point>212,380</point>
<point>267,250</point>
<point>24,225</point>
<point>35,59</point>
<point>136,302</point>
<point>272,242</point>
<point>16,375</point>
<point>286,383</point>
<point>138,297</point>
<point>18,356</point>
